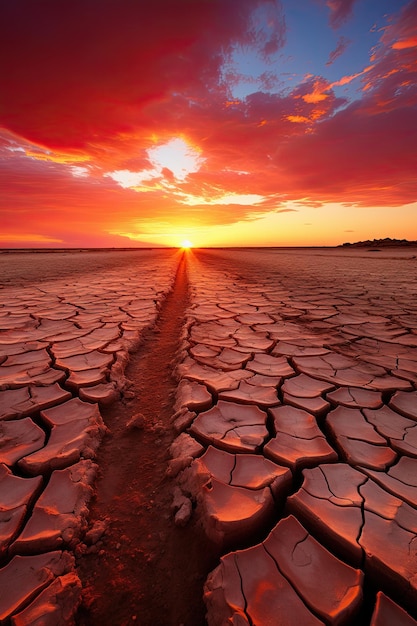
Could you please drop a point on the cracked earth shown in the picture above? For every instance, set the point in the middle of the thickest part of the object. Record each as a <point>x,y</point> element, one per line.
<point>209,437</point>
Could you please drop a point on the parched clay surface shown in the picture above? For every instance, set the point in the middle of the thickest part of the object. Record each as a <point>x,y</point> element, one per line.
<point>236,493</point>
<point>25,577</point>
<point>298,441</point>
<point>289,573</point>
<point>64,347</point>
<point>59,516</point>
<point>333,368</point>
<point>294,422</point>
<point>232,426</point>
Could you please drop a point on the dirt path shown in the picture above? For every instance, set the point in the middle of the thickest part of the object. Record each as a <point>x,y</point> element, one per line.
<point>147,571</point>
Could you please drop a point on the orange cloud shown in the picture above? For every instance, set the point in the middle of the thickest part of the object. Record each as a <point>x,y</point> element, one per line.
<point>391,79</point>
<point>314,97</point>
<point>298,119</point>
<point>405,43</point>
<point>316,93</point>
<point>56,157</point>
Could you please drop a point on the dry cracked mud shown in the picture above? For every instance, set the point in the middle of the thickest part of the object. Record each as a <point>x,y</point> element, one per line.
<point>220,437</point>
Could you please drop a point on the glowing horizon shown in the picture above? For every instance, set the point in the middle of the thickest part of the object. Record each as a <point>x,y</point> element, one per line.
<point>186,244</point>
<point>183,122</point>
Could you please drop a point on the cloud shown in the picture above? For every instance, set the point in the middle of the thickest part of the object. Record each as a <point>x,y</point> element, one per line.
<point>340,11</point>
<point>402,33</point>
<point>176,155</point>
<point>132,180</point>
<point>48,199</point>
<point>81,157</point>
<point>89,71</point>
<point>391,83</point>
<point>69,239</point>
<point>24,239</point>
<point>342,43</point>
<point>266,28</point>
<point>367,159</point>
<point>224,199</point>
<point>318,98</point>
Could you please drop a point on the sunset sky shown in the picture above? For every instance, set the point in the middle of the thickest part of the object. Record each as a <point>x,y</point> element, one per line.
<point>225,122</point>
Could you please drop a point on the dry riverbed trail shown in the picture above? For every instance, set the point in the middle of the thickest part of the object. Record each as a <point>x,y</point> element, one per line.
<point>146,568</point>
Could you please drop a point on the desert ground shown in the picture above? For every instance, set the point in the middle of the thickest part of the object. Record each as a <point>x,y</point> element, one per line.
<point>208,437</point>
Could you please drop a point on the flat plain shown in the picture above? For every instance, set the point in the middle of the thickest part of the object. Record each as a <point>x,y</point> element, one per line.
<point>208,436</point>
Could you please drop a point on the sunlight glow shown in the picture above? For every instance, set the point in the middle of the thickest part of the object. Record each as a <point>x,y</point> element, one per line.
<point>171,162</point>
<point>247,199</point>
<point>131,180</point>
<point>177,156</point>
<point>186,244</point>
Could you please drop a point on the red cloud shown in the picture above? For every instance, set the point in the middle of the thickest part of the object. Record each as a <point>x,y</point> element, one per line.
<point>106,80</point>
<point>341,46</point>
<point>77,74</point>
<point>391,82</point>
<point>340,11</point>
<point>357,157</point>
<point>402,33</point>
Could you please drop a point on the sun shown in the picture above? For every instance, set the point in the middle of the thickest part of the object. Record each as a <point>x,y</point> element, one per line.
<point>186,244</point>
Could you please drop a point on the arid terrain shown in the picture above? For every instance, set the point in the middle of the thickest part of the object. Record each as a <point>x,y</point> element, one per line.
<point>208,437</point>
